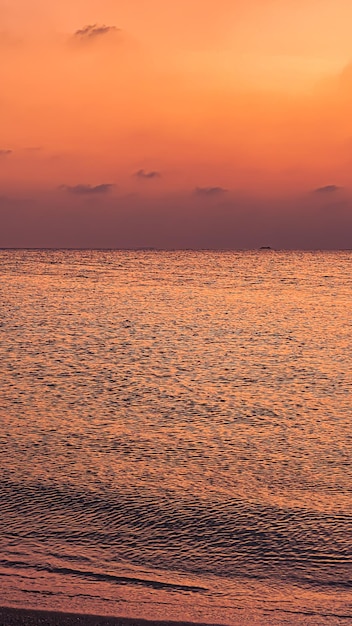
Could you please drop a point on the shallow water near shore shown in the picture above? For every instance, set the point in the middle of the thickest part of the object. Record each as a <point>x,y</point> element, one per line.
<point>176,434</point>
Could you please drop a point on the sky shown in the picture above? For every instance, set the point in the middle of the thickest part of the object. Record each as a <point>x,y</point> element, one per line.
<point>188,124</point>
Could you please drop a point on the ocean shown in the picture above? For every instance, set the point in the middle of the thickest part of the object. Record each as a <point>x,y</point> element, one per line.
<point>175,432</point>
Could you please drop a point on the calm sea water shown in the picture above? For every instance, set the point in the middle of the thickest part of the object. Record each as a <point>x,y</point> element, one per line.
<point>176,434</point>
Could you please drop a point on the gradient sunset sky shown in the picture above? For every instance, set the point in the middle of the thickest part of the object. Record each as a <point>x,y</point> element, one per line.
<point>196,123</point>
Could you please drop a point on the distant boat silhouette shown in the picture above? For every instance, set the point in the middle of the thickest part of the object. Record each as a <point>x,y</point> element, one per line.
<point>265,248</point>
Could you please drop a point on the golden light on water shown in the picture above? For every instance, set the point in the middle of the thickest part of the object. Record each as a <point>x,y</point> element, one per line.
<point>175,429</point>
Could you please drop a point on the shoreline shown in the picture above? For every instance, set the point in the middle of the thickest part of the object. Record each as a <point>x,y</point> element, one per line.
<point>10,616</point>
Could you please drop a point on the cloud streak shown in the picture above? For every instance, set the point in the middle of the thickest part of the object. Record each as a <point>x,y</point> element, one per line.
<point>142,174</point>
<point>327,189</point>
<point>210,192</point>
<point>93,31</point>
<point>88,190</point>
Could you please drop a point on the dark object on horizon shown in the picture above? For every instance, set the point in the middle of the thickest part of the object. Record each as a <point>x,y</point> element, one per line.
<point>145,249</point>
<point>265,248</point>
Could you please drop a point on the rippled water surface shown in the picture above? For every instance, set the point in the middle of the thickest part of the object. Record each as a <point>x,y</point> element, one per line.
<point>176,434</point>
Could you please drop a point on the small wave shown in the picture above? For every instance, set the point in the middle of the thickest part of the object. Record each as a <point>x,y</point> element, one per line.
<point>98,576</point>
<point>229,539</point>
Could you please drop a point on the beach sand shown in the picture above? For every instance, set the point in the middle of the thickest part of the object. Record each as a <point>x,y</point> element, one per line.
<point>26,617</point>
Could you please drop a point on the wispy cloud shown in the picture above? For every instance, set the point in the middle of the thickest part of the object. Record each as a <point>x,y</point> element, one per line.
<point>86,190</point>
<point>327,189</point>
<point>147,175</point>
<point>93,31</point>
<point>5,153</point>
<point>210,191</point>
<point>33,149</point>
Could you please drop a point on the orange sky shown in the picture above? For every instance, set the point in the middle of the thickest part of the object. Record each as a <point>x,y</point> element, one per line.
<point>206,107</point>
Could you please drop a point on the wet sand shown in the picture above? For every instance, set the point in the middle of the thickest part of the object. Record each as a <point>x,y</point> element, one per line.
<point>26,617</point>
